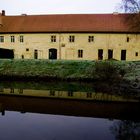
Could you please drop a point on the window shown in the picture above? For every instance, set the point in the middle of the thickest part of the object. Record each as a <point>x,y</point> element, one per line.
<point>12,38</point>
<point>53,38</point>
<point>27,49</point>
<point>136,54</point>
<point>35,54</point>
<point>70,93</point>
<point>89,95</point>
<point>1,38</point>
<point>12,90</point>
<point>90,38</point>
<point>72,38</point>
<point>21,38</point>
<point>80,53</point>
<point>127,39</point>
<point>52,93</point>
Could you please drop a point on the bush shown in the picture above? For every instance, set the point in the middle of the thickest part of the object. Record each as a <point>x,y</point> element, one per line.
<point>106,70</point>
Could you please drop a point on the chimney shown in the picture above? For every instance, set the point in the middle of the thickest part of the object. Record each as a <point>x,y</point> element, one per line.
<point>3,13</point>
<point>115,13</point>
<point>0,19</point>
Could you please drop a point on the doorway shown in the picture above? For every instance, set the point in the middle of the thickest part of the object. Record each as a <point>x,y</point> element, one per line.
<point>100,54</point>
<point>35,54</point>
<point>52,53</point>
<point>110,54</point>
<point>6,54</point>
<point>123,54</point>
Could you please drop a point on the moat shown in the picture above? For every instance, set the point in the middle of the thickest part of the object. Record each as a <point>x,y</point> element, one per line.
<point>65,111</point>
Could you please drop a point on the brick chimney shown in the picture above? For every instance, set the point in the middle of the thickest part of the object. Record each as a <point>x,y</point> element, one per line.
<point>0,19</point>
<point>3,13</point>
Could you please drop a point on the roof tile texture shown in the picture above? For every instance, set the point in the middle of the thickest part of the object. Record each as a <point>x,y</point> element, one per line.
<point>64,23</point>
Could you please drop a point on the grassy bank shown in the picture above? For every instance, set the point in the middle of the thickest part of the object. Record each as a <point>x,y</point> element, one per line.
<point>69,70</point>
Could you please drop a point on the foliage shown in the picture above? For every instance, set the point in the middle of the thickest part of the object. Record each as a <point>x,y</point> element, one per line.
<point>131,6</point>
<point>67,70</point>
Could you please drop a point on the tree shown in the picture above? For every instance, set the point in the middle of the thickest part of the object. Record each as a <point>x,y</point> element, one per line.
<point>130,6</point>
<point>133,8</point>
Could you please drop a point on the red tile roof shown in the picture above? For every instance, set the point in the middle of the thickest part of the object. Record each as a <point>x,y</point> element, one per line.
<point>65,23</point>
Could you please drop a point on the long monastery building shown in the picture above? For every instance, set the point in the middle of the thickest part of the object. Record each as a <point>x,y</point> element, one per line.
<point>68,37</point>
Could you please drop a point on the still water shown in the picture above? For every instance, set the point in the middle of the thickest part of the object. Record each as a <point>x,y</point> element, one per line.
<point>29,126</point>
<point>65,112</point>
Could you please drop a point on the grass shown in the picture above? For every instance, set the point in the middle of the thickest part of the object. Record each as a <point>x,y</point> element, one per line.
<point>70,70</point>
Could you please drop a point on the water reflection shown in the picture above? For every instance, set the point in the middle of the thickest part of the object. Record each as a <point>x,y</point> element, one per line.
<point>28,126</point>
<point>126,130</point>
<point>78,112</point>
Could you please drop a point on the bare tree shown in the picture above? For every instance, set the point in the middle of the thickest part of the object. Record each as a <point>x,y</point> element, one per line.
<point>130,6</point>
<point>133,8</point>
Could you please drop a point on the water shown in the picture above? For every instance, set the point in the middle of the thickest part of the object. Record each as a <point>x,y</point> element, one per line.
<point>47,112</point>
<point>28,126</point>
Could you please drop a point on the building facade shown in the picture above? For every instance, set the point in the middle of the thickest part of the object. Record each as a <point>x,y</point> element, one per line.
<point>69,37</point>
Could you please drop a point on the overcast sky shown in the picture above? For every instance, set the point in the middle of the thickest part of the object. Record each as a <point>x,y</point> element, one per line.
<point>17,7</point>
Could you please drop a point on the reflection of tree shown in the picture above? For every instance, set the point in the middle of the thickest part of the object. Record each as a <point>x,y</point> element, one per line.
<point>126,130</point>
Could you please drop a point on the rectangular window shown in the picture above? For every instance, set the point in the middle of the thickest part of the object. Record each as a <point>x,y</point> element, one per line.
<point>127,39</point>
<point>35,54</point>
<point>12,38</point>
<point>1,38</point>
<point>72,38</point>
<point>90,38</point>
<point>53,38</point>
<point>80,53</point>
<point>21,38</point>
<point>136,54</point>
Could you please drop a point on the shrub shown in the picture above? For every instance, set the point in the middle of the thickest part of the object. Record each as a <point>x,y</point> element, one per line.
<point>106,70</point>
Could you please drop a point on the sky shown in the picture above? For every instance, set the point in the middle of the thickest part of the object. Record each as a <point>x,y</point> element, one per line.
<point>35,7</point>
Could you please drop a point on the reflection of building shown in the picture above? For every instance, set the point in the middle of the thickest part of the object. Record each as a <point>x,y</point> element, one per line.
<point>112,110</point>
<point>70,37</point>
<point>78,95</point>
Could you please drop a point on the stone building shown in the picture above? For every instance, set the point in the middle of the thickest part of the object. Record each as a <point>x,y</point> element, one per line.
<point>68,37</point>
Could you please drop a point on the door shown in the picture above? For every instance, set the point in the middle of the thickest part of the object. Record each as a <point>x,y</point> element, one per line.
<point>110,54</point>
<point>52,53</point>
<point>100,54</point>
<point>123,54</point>
<point>35,54</point>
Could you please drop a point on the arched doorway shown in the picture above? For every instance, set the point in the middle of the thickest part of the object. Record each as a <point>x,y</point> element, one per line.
<point>52,53</point>
<point>6,54</point>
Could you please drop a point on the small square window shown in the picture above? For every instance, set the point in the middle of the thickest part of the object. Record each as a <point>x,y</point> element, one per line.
<point>89,95</point>
<point>52,93</point>
<point>70,93</point>
<point>90,38</point>
<point>72,38</point>
<point>53,38</point>
<point>27,50</point>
